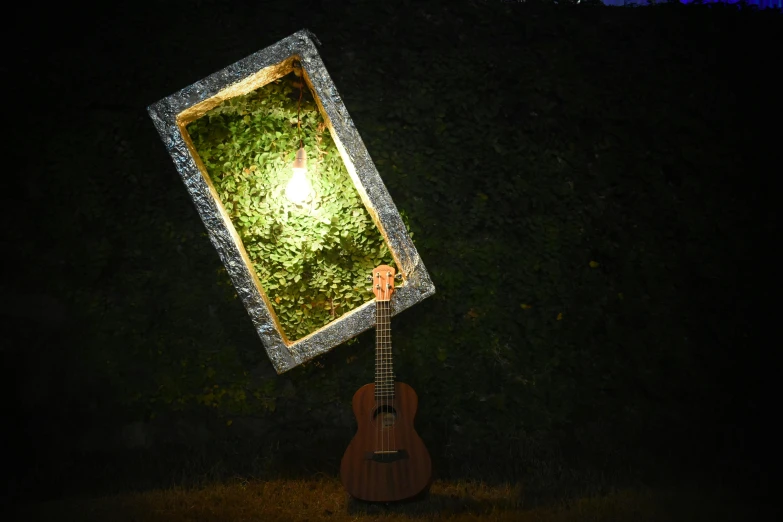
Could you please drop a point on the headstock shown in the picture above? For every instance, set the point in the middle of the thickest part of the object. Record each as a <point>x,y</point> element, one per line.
<point>383,282</point>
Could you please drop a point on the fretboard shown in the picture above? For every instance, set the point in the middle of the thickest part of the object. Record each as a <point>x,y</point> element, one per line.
<point>384,371</point>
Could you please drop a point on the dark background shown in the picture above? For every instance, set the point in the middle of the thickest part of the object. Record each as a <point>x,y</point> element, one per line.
<point>521,142</point>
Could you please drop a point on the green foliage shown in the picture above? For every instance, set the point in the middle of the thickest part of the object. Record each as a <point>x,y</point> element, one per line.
<point>312,261</point>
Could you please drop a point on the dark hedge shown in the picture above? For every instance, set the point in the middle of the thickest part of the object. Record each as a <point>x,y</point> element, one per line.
<point>582,182</point>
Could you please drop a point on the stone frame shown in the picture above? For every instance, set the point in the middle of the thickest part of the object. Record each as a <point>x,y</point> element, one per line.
<point>172,114</point>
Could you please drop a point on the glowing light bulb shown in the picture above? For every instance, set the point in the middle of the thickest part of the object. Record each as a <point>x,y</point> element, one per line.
<point>299,190</point>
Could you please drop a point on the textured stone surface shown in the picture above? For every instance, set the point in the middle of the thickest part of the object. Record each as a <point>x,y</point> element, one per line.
<point>172,114</point>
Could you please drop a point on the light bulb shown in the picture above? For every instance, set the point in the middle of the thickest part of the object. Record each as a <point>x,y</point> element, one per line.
<point>298,190</point>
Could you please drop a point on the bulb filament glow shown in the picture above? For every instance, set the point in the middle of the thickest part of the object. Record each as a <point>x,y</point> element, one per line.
<point>299,190</point>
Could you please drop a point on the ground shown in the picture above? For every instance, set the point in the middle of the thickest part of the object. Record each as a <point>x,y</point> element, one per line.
<point>323,498</point>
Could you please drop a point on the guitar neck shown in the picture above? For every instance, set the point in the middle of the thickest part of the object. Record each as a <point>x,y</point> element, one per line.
<point>384,370</point>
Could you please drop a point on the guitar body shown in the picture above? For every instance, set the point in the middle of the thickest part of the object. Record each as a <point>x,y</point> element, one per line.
<point>399,466</point>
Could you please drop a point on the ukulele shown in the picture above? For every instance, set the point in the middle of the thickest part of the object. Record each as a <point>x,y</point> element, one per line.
<point>386,461</point>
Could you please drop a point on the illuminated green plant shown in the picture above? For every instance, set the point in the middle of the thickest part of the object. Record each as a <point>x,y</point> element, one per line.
<point>312,261</point>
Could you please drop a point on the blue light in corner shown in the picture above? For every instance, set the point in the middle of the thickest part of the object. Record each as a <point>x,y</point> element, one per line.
<point>762,4</point>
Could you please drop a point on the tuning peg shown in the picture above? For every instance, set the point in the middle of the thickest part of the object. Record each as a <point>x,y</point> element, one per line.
<point>398,277</point>
<point>369,279</point>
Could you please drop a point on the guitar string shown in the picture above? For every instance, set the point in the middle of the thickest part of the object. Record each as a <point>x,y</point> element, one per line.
<point>393,414</point>
<point>384,434</point>
<point>377,366</point>
<point>380,375</point>
<point>393,445</point>
<point>388,361</point>
<point>379,418</point>
<point>383,371</point>
<point>386,373</point>
<point>383,407</point>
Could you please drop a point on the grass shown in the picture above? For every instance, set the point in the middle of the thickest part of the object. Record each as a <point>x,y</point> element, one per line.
<point>324,499</point>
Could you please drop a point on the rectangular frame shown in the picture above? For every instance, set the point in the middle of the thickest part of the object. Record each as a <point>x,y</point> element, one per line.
<point>172,114</point>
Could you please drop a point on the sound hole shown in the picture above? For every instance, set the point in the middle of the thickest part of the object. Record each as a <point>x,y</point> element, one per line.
<point>386,415</point>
